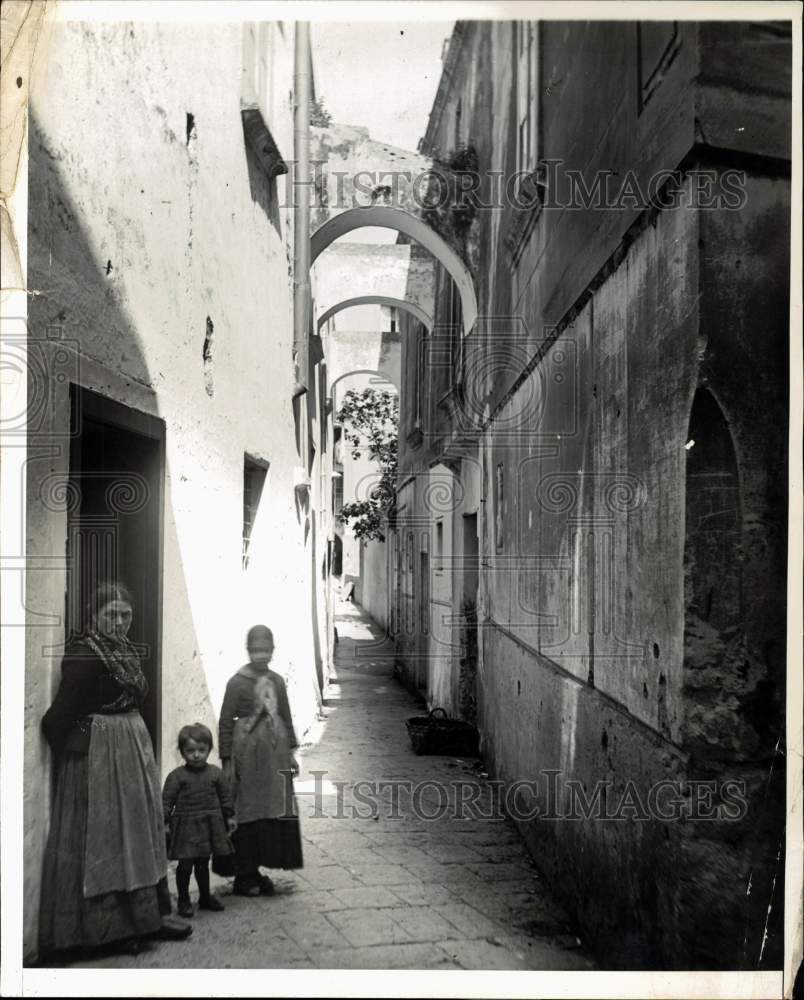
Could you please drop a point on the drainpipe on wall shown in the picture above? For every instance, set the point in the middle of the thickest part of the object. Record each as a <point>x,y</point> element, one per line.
<point>301,212</point>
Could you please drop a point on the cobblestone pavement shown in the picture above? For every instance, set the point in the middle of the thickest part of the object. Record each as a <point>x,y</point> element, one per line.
<point>378,890</point>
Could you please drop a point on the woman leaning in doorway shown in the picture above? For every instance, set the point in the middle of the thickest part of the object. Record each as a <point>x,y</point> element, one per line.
<point>104,878</point>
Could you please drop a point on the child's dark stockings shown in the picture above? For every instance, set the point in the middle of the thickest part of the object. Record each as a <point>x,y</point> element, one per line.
<point>183,871</point>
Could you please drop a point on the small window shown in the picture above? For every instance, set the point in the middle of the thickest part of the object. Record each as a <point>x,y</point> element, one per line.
<point>254,472</point>
<point>439,546</point>
<point>337,446</point>
<point>337,493</point>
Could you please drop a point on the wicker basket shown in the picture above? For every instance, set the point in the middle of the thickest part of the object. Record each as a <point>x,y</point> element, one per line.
<point>436,733</point>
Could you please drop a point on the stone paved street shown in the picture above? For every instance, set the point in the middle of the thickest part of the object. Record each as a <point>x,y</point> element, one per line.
<point>379,891</point>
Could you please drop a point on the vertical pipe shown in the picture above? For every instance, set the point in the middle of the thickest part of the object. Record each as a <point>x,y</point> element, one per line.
<point>301,195</point>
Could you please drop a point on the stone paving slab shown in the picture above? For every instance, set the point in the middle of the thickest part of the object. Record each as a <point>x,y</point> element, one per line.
<point>445,874</point>
<point>452,854</point>
<point>329,877</point>
<point>399,956</point>
<point>470,922</point>
<point>382,874</point>
<point>378,890</point>
<point>366,927</point>
<point>308,902</point>
<point>370,897</point>
<point>312,931</point>
<point>424,923</point>
<point>396,855</point>
<point>421,894</point>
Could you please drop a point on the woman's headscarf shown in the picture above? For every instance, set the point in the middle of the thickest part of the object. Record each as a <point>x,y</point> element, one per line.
<point>118,655</point>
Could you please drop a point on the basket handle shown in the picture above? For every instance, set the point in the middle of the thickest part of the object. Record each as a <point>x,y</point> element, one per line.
<point>441,710</point>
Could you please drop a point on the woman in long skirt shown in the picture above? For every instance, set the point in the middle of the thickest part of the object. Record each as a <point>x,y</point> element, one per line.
<point>104,876</point>
<point>256,743</point>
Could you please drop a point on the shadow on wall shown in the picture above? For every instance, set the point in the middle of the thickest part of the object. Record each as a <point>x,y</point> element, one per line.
<point>81,332</point>
<point>261,183</point>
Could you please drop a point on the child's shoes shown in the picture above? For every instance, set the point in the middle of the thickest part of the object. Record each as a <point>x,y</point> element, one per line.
<point>185,908</point>
<point>211,903</point>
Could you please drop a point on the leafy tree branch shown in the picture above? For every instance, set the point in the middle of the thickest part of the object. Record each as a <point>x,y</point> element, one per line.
<point>370,421</point>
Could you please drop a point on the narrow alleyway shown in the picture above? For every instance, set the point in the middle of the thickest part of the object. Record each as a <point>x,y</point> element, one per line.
<point>379,890</point>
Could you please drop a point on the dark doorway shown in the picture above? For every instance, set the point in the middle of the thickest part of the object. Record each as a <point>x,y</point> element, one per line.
<point>424,593</point>
<point>337,556</point>
<point>467,678</point>
<point>423,667</point>
<point>115,522</point>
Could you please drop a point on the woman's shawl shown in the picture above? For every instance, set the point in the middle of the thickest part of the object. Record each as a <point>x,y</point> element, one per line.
<point>120,658</point>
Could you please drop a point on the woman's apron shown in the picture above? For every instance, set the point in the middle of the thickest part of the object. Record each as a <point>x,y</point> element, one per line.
<point>263,782</point>
<point>125,838</point>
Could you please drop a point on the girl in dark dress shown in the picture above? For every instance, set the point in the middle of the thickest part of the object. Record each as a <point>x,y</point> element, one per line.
<point>199,815</point>
<point>104,876</point>
<point>256,741</point>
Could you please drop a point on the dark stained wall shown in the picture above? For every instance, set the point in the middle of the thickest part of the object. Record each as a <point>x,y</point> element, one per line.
<point>615,320</point>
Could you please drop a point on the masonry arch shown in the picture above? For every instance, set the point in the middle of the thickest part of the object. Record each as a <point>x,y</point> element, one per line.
<point>713,521</point>
<point>718,702</point>
<point>379,300</point>
<point>385,217</point>
<point>362,371</point>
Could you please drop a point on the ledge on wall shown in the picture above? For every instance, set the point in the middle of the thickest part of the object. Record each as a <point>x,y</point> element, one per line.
<point>259,138</point>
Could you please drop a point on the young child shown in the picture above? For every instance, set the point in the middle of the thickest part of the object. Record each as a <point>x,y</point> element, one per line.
<point>199,816</point>
<point>257,741</point>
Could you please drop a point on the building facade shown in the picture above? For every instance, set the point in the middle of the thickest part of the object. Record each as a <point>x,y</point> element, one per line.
<point>590,552</point>
<point>165,445</point>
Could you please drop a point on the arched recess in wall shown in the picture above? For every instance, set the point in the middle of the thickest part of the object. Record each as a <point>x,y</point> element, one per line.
<point>713,601</point>
<point>378,300</point>
<point>403,222</point>
<point>712,522</point>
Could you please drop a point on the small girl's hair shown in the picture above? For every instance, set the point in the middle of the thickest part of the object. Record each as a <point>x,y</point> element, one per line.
<point>198,732</point>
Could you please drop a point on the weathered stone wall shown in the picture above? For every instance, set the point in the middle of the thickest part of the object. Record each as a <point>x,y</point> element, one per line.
<point>374,589</point>
<point>582,656</point>
<point>147,217</point>
<point>348,351</point>
<point>599,323</point>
